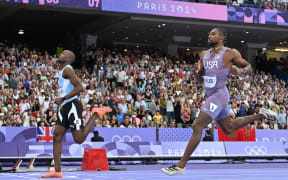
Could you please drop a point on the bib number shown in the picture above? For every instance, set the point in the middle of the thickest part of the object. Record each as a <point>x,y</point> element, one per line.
<point>212,107</point>
<point>210,81</point>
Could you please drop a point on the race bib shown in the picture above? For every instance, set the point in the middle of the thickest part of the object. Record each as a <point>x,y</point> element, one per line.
<point>210,81</point>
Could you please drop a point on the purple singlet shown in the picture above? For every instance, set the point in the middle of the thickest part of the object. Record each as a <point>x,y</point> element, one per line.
<point>215,76</point>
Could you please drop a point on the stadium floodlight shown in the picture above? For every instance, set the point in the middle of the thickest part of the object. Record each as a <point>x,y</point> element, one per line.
<point>281,49</point>
<point>21,32</point>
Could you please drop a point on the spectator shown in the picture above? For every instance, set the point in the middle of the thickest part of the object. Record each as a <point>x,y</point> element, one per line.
<point>255,124</point>
<point>148,97</point>
<point>170,109</point>
<point>123,106</point>
<point>120,115</point>
<point>243,109</point>
<point>172,124</point>
<point>1,119</point>
<point>12,82</point>
<point>133,124</point>
<point>143,123</point>
<point>162,103</point>
<point>282,117</point>
<point>125,123</point>
<point>96,137</point>
<point>193,113</point>
<point>86,114</point>
<point>208,136</point>
<point>135,118</point>
<point>185,114</point>
<point>157,118</point>
<point>177,109</point>
<point>268,4</point>
<point>265,124</point>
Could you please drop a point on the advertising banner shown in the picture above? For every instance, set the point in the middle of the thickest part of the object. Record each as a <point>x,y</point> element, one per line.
<point>180,134</point>
<point>168,8</point>
<point>69,149</point>
<point>204,149</point>
<point>257,16</point>
<point>91,4</point>
<point>271,135</point>
<point>18,134</point>
<point>120,135</point>
<point>174,9</point>
<point>254,148</point>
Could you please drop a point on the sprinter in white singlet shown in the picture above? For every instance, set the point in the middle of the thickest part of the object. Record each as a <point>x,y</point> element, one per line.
<point>70,109</point>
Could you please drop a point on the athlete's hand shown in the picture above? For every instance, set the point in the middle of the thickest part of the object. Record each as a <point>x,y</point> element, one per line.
<point>59,101</point>
<point>235,70</point>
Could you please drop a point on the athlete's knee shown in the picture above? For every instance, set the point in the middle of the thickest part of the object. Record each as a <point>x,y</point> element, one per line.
<point>197,127</point>
<point>194,126</point>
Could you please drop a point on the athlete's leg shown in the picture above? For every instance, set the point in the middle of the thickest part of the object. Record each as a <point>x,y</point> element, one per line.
<point>57,146</point>
<point>198,126</point>
<point>229,125</point>
<point>210,110</point>
<point>80,135</point>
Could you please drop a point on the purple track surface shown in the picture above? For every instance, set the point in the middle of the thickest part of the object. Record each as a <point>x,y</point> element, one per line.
<point>193,172</point>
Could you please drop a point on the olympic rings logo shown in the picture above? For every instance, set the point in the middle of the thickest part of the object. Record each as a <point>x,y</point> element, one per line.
<point>126,138</point>
<point>256,150</point>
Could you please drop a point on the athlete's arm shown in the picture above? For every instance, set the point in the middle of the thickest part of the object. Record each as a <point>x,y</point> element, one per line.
<point>199,69</point>
<point>68,73</point>
<point>245,67</point>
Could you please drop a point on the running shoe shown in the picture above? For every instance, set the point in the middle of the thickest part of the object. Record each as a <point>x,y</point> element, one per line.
<point>172,170</point>
<point>53,174</point>
<point>269,114</point>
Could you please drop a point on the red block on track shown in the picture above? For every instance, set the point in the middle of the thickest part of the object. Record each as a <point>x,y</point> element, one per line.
<point>95,160</point>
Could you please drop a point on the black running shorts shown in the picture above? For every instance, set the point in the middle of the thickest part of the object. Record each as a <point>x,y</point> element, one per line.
<point>70,115</point>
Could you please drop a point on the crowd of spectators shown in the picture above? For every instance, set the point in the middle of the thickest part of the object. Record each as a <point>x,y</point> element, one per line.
<point>280,64</point>
<point>142,89</point>
<point>265,4</point>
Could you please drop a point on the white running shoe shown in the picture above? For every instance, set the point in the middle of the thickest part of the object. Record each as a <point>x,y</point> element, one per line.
<point>172,170</point>
<point>269,114</point>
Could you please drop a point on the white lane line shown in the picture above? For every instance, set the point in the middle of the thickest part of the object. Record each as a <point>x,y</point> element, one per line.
<point>188,172</point>
<point>265,178</point>
<point>73,177</point>
<point>25,177</point>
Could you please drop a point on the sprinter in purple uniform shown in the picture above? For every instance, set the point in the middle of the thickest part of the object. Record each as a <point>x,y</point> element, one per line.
<point>213,70</point>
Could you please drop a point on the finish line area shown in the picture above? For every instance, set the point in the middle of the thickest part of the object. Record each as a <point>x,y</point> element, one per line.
<point>149,167</point>
<point>193,171</point>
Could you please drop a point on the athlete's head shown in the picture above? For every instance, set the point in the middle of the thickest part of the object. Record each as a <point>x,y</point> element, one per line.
<point>66,57</point>
<point>216,37</point>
